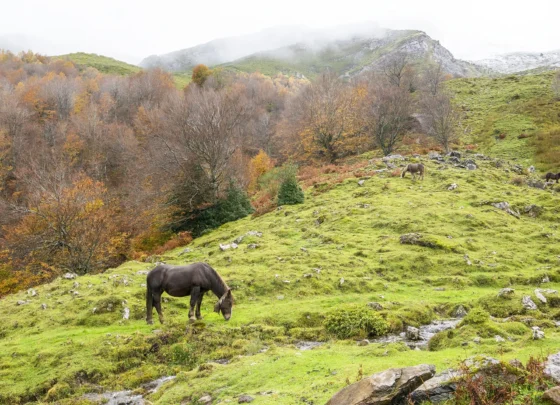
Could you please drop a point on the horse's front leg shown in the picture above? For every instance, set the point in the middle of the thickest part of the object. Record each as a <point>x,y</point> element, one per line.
<point>199,304</point>
<point>195,293</point>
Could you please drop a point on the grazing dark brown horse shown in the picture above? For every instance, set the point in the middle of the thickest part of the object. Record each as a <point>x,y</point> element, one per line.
<point>414,169</point>
<point>552,176</point>
<point>179,281</point>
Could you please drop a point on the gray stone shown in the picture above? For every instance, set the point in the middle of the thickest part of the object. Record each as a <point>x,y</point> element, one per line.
<point>437,389</point>
<point>540,296</point>
<point>452,187</point>
<point>206,399</point>
<point>528,303</point>
<point>21,302</point>
<point>499,339</point>
<point>386,387</point>
<point>471,166</point>
<point>70,276</point>
<point>361,182</point>
<point>142,272</point>
<point>375,305</point>
<point>32,292</point>
<point>239,239</point>
<point>531,169</point>
<point>126,314</point>
<point>477,340</point>
<point>341,281</point>
<point>506,292</point>
<point>364,342</point>
<point>479,362</point>
<point>43,306</point>
<point>460,312</point>
<point>538,334</point>
<point>252,246</point>
<point>552,367</point>
<point>412,333</point>
<point>467,260</point>
<point>545,280</point>
<point>258,234</point>
<point>392,157</point>
<point>245,399</point>
<point>504,206</point>
<point>223,248</point>
<point>553,395</point>
<point>455,154</point>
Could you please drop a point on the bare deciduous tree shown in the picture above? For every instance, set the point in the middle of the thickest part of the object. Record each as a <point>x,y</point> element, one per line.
<point>394,68</point>
<point>387,112</point>
<point>432,78</point>
<point>439,118</point>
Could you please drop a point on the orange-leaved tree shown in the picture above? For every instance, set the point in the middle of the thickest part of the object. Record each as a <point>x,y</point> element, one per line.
<point>67,224</point>
<point>200,73</point>
<point>259,165</point>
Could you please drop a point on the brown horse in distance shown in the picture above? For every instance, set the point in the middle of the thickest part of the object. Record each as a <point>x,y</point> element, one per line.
<point>414,169</point>
<point>552,176</point>
<point>179,281</point>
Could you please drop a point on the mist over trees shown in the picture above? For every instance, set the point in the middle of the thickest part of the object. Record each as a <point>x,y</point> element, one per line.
<point>96,169</point>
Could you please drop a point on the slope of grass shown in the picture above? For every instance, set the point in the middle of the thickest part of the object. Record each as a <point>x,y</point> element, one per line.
<point>341,247</point>
<point>499,110</point>
<point>102,63</point>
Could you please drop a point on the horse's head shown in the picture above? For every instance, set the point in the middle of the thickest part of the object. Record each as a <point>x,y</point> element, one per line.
<point>225,304</point>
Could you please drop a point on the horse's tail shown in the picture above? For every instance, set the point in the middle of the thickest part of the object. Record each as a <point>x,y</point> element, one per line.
<point>404,171</point>
<point>149,301</point>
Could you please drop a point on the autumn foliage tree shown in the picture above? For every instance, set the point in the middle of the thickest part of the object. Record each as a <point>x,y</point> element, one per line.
<point>67,223</point>
<point>200,74</point>
<point>259,165</point>
<point>440,118</point>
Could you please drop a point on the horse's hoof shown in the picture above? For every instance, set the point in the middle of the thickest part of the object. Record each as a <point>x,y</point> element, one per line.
<point>192,319</point>
<point>150,322</point>
<point>161,321</point>
<point>199,317</point>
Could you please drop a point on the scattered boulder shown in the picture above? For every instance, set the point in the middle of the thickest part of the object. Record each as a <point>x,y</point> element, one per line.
<point>440,388</point>
<point>499,339</point>
<point>392,157</point>
<point>21,302</point>
<point>516,363</point>
<point>540,296</point>
<point>535,183</point>
<point>545,280</point>
<point>142,272</point>
<point>480,362</point>
<point>477,340</point>
<point>341,281</point>
<point>375,305</point>
<point>386,387</point>
<point>460,312</point>
<point>506,292</point>
<point>223,248</point>
<point>531,169</point>
<point>239,239</point>
<point>32,292</point>
<point>418,239</point>
<point>452,187</point>
<point>532,210</point>
<point>206,399</point>
<point>43,306</point>
<point>552,367</point>
<point>434,156</point>
<point>553,395</point>
<point>455,154</point>
<point>504,206</point>
<point>70,276</point>
<point>364,342</point>
<point>467,260</point>
<point>126,314</point>
<point>538,334</point>
<point>361,182</point>
<point>471,166</point>
<point>528,303</point>
<point>252,246</point>
<point>245,399</point>
<point>412,333</point>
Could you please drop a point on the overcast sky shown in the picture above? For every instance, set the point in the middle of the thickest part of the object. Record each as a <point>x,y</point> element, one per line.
<point>133,29</point>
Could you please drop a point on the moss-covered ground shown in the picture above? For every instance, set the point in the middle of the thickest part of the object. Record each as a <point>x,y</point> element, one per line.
<point>340,248</point>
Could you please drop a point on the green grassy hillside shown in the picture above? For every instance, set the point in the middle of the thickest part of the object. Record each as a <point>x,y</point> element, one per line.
<point>112,66</point>
<point>339,249</point>
<point>511,116</point>
<point>102,63</point>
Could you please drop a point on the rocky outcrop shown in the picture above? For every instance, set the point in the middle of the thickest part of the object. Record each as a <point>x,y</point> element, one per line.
<point>552,367</point>
<point>553,395</point>
<point>438,389</point>
<point>384,388</point>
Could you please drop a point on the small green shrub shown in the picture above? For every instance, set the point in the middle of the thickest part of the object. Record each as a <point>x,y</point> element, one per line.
<point>476,316</point>
<point>502,307</point>
<point>355,321</point>
<point>290,192</point>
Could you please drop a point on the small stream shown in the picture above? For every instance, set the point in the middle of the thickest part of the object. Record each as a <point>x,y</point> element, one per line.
<point>127,397</point>
<point>426,333</point>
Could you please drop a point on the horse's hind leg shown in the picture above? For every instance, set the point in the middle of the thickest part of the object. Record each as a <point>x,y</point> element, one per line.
<point>195,295</point>
<point>157,305</point>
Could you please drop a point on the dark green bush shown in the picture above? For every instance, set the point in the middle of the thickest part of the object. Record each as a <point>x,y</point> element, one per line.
<point>234,206</point>
<point>290,192</point>
<point>475,316</point>
<point>355,321</point>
